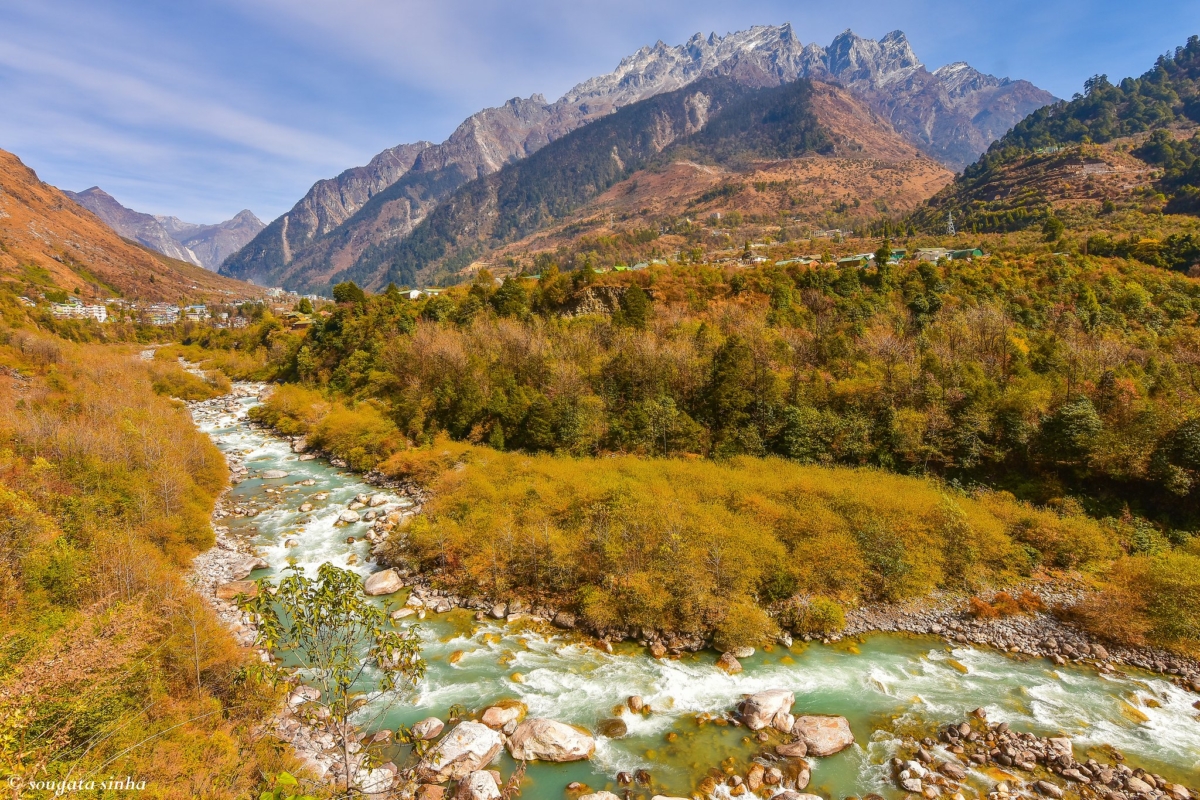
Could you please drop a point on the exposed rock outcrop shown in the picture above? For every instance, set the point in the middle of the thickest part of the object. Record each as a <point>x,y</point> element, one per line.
<point>823,735</point>
<point>547,740</point>
<point>471,746</point>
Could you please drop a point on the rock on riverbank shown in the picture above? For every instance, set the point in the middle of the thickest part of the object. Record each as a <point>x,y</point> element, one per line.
<point>1047,764</point>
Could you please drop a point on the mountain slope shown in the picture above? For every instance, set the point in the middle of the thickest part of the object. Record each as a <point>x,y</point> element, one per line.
<point>1122,143</point>
<point>716,121</point>
<point>950,114</point>
<point>203,245</point>
<point>872,170</point>
<point>48,240</point>
<point>212,244</point>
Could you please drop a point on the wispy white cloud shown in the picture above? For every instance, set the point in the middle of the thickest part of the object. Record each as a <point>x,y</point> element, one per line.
<point>136,101</point>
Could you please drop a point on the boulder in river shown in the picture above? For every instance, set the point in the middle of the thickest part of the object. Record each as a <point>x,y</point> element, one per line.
<point>636,704</point>
<point>500,715</point>
<point>377,500</point>
<point>547,740</point>
<point>792,750</point>
<point>479,785</point>
<point>499,611</point>
<point>823,735</point>
<point>427,729</point>
<point>729,663</point>
<point>788,795</point>
<point>599,796</point>
<point>612,728</point>
<point>386,582</point>
<point>469,747</point>
<point>759,710</point>
<point>349,515</point>
<point>272,474</point>
<point>1049,789</point>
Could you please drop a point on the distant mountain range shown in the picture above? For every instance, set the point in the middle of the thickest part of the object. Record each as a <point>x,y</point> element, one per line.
<point>203,245</point>
<point>350,225</point>
<point>47,242</point>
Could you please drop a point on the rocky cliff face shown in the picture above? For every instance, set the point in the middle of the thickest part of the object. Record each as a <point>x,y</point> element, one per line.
<point>203,245</point>
<point>951,114</point>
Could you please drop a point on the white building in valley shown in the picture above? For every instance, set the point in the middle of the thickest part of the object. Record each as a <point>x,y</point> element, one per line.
<point>79,311</point>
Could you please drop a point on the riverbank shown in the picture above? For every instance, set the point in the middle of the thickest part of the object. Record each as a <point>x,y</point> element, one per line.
<point>1033,633</point>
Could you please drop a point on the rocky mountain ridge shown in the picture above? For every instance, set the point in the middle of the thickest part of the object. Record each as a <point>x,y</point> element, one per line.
<point>951,114</point>
<point>202,245</point>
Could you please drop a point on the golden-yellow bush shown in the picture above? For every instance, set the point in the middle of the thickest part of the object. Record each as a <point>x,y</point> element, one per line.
<point>109,663</point>
<point>692,545</point>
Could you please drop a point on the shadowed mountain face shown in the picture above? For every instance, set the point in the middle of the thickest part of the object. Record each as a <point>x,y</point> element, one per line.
<point>203,245</point>
<point>49,240</point>
<point>951,115</point>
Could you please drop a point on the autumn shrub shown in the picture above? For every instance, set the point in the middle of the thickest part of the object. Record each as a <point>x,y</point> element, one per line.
<point>423,465</point>
<point>744,624</point>
<point>1148,599</point>
<point>290,409</point>
<point>1029,602</point>
<point>361,435</point>
<point>1005,604</point>
<point>982,609</point>
<point>676,544</point>
<point>174,381</point>
<point>109,663</point>
<point>815,616</point>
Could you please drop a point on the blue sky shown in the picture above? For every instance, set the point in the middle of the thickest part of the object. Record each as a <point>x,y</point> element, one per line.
<point>205,107</point>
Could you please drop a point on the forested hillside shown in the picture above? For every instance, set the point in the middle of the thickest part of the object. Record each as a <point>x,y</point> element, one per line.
<point>1143,126</point>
